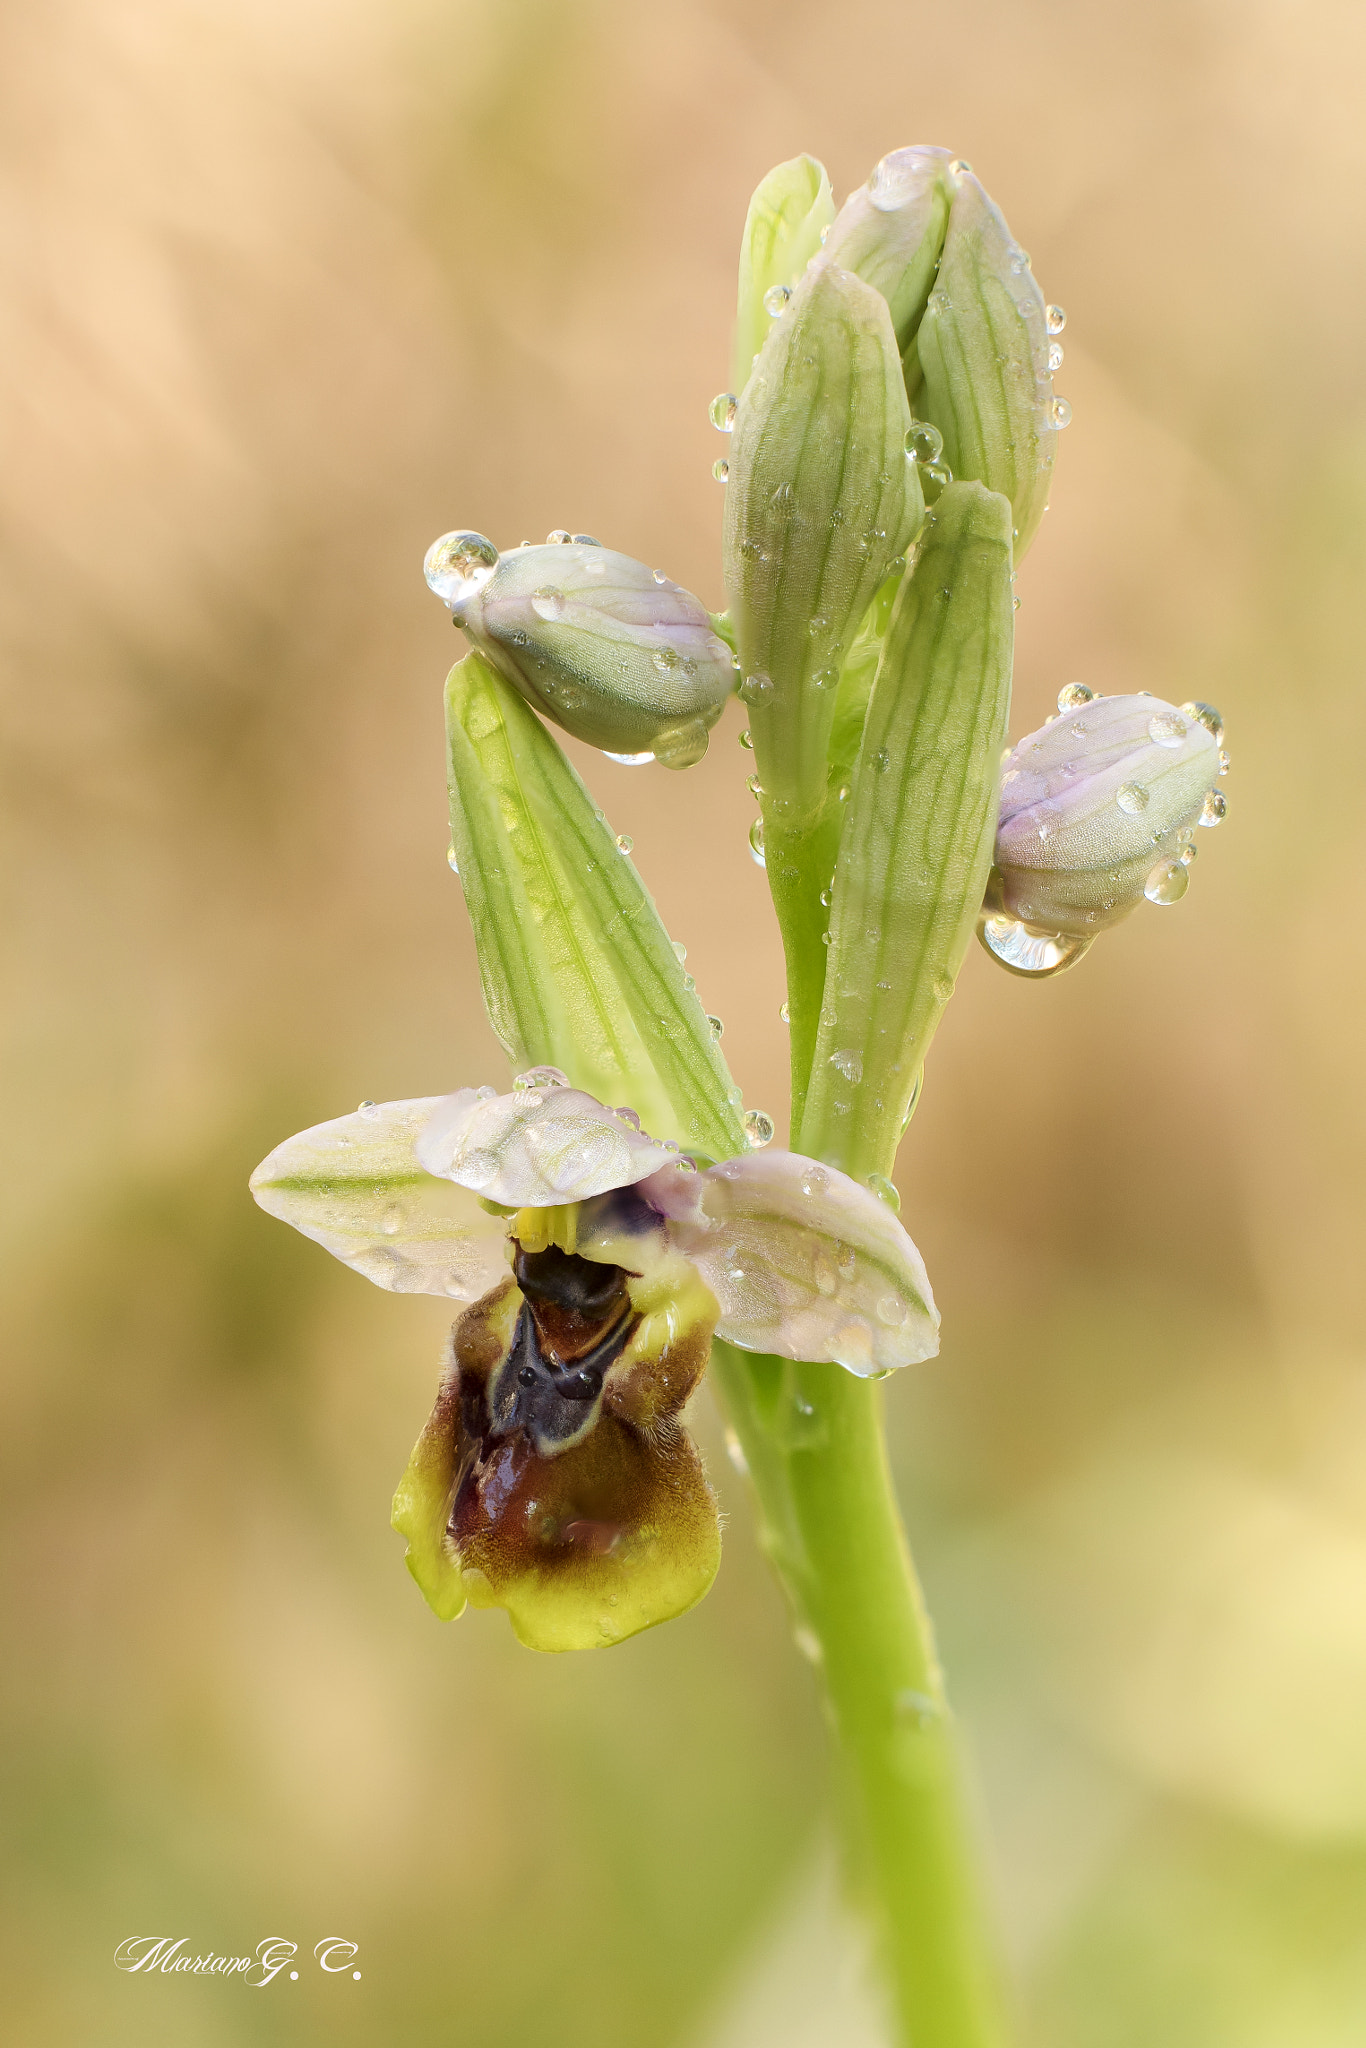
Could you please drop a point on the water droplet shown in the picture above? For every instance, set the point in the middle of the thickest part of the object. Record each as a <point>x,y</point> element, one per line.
<point>1167,728</point>
<point>1054,319</point>
<point>369,1110</point>
<point>1027,948</point>
<point>720,469</point>
<point>735,1452</point>
<point>758,1129</point>
<point>630,760</point>
<point>452,860</point>
<point>659,576</point>
<point>722,411</point>
<point>960,167</point>
<point>755,787</point>
<point>776,298</point>
<point>717,1027</point>
<point>627,1115</point>
<point>680,950</point>
<point>891,1310</point>
<point>916,1087</point>
<point>808,1642</point>
<point>924,442</point>
<point>1187,855</point>
<point>458,565</point>
<point>1214,809</point>
<point>747,739</point>
<point>549,604</point>
<point>757,689</point>
<point>679,746</point>
<point>892,183</point>
<point>826,898</point>
<point>625,843</point>
<point>1224,763</point>
<point>1206,715</point>
<point>1167,882</point>
<point>559,538</point>
<point>943,989</point>
<point>588,540</point>
<point>1060,413</point>
<point>756,841</point>
<point>1132,797</point>
<point>735,1096</point>
<point>785,1012</point>
<point>879,1185</point>
<point>850,1064</point>
<point>1073,694</point>
<point>938,473</point>
<point>542,1077</point>
<point>1055,355</point>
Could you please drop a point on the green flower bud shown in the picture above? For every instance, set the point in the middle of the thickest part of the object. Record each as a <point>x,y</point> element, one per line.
<point>976,337</point>
<point>787,217</point>
<point>822,497</point>
<point>1099,811</point>
<point>611,651</point>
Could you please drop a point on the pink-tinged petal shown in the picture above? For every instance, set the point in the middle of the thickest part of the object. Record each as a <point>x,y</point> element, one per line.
<point>356,1187</point>
<point>537,1147</point>
<point>807,1263</point>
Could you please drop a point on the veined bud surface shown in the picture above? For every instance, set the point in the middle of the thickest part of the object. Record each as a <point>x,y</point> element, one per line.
<point>977,342</point>
<point>1099,811</point>
<point>610,650</point>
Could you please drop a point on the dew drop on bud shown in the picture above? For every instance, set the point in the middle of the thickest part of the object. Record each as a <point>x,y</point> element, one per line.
<point>630,760</point>
<point>680,951</point>
<point>879,1185</point>
<point>747,739</point>
<point>451,860</point>
<point>758,1129</point>
<point>550,604</point>
<point>717,1027</point>
<point>1167,882</point>
<point>1224,763</point>
<point>757,689</point>
<point>1073,694</point>
<point>1055,355</point>
<point>850,1064</point>
<point>1167,729</point>
<point>1187,855</point>
<point>679,746</point>
<point>722,411</point>
<point>1132,797</point>
<point>625,843</point>
<point>1206,715</point>
<point>776,298</point>
<point>891,183</point>
<point>1054,319</point>
<point>720,469</point>
<point>369,1110</point>
<point>542,1077</point>
<point>924,442</point>
<point>1214,809</point>
<point>1060,413</point>
<point>1027,948</point>
<point>756,841</point>
<point>457,565</point>
<point>785,1012</point>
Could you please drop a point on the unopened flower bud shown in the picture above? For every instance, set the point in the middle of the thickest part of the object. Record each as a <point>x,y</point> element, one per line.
<point>975,335</point>
<point>788,215</point>
<point>1098,811</point>
<point>610,650</point>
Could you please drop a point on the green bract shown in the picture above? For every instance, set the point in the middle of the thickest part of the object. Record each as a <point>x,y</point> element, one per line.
<point>787,216</point>
<point>822,497</point>
<point>916,846</point>
<point>577,969</point>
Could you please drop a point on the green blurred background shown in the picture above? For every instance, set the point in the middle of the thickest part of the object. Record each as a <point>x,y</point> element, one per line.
<point>293,288</point>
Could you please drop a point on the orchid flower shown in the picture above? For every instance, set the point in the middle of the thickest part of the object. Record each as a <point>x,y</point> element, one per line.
<point>553,1477</point>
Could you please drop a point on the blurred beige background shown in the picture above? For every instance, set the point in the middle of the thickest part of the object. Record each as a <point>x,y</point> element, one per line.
<point>290,289</point>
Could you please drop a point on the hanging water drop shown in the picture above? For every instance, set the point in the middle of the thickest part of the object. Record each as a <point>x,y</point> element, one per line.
<point>879,1185</point>
<point>1060,413</point>
<point>720,469</point>
<point>717,1027</point>
<point>757,689</point>
<point>1055,355</point>
<point>1206,715</point>
<point>458,565</point>
<point>756,841</point>
<point>924,442</point>
<point>776,298</point>
<point>785,1012</point>
<point>1214,809</point>
<point>630,760</point>
<point>722,411</point>
<point>747,739</point>
<point>451,860</point>
<point>680,950</point>
<point>758,1129</point>
<point>1167,883</point>
<point>625,843</point>
<point>1027,948</point>
<point>1054,319</point>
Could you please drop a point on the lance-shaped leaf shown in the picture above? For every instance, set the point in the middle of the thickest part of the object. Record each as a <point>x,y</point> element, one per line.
<point>983,350</point>
<point>787,216</point>
<point>917,841</point>
<point>822,497</point>
<point>577,969</point>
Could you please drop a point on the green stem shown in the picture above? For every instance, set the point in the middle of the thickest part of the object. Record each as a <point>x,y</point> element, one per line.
<point>812,1436</point>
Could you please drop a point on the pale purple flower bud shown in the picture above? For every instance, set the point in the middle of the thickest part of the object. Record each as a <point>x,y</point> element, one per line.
<point>1099,810</point>
<point>612,651</point>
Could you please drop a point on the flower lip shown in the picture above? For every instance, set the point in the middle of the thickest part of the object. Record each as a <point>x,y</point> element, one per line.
<point>536,1147</point>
